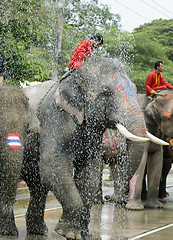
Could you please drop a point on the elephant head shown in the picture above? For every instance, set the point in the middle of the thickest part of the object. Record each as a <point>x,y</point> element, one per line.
<point>159,114</point>
<point>103,83</point>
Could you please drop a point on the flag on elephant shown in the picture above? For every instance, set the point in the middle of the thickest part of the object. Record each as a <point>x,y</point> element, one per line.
<point>14,141</point>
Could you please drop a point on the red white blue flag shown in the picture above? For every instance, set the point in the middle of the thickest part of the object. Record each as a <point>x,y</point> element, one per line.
<point>14,141</point>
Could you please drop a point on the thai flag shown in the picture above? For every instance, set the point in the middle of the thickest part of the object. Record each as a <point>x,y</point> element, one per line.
<point>14,141</point>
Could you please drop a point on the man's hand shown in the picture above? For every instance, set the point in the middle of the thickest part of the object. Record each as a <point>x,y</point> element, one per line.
<point>153,94</point>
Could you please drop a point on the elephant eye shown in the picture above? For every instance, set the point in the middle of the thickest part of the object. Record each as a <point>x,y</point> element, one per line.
<point>107,92</point>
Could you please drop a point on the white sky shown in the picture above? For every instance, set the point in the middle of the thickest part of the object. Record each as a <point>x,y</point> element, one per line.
<point>137,12</point>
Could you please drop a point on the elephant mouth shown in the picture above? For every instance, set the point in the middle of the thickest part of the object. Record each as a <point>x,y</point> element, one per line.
<point>132,137</point>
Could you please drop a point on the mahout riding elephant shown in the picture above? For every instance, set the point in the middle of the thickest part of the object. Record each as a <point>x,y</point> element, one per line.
<point>73,115</point>
<point>158,116</point>
<point>14,120</point>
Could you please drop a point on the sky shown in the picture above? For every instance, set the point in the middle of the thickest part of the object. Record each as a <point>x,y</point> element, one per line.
<point>134,13</point>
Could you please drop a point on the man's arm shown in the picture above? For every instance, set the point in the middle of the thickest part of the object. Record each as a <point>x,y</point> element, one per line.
<point>165,83</point>
<point>148,86</point>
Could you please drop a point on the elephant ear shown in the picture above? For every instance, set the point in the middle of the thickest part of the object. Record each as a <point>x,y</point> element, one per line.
<point>152,115</point>
<point>70,98</point>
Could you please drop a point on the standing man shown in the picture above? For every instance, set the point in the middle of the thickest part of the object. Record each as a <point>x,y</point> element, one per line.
<point>84,50</point>
<point>2,70</point>
<point>155,81</point>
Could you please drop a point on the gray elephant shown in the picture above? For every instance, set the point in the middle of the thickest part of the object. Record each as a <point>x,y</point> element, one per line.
<point>14,120</point>
<point>73,114</point>
<point>159,120</point>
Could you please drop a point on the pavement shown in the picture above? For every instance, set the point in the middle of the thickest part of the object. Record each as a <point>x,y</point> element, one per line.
<point>108,222</point>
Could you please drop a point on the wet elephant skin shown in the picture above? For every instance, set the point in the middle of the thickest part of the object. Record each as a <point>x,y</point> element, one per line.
<point>73,114</point>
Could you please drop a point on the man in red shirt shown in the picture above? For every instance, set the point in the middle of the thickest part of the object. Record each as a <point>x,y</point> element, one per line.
<point>155,81</point>
<point>84,50</point>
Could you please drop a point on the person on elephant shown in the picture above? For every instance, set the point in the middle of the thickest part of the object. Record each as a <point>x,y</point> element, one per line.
<point>155,81</point>
<point>2,70</point>
<point>84,50</point>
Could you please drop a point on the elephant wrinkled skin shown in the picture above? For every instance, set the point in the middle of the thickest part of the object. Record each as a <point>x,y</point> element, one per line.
<point>14,119</point>
<point>73,114</point>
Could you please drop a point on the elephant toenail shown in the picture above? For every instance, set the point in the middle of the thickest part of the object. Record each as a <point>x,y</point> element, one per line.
<point>59,231</point>
<point>70,235</point>
<point>78,237</point>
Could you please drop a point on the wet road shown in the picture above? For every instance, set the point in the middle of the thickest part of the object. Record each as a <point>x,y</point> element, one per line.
<point>107,221</point>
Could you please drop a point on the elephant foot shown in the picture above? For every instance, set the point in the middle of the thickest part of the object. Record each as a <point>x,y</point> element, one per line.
<point>37,228</point>
<point>153,203</point>
<point>87,235</point>
<point>98,200</point>
<point>9,230</point>
<point>163,195</point>
<point>67,230</point>
<point>134,205</point>
<point>114,199</point>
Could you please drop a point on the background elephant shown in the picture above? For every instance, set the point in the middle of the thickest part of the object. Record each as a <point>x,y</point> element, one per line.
<point>14,119</point>
<point>158,116</point>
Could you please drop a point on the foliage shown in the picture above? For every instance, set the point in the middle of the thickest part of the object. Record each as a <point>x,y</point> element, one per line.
<point>160,31</point>
<point>29,32</point>
<point>152,42</point>
<point>25,39</point>
<point>29,29</point>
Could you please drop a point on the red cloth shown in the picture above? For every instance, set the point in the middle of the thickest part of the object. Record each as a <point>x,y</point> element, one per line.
<point>83,50</point>
<point>156,81</point>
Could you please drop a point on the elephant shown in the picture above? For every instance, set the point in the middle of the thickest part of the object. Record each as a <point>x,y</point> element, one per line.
<point>14,120</point>
<point>65,154</point>
<point>158,114</point>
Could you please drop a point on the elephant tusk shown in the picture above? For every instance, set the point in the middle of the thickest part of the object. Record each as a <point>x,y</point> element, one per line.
<point>129,135</point>
<point>154,139</point>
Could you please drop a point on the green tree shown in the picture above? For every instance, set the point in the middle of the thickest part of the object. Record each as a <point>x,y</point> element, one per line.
<point>25,38</point>
<point>152,42</point>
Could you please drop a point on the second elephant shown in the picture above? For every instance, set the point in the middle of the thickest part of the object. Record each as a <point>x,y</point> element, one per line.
<point>159,120</point>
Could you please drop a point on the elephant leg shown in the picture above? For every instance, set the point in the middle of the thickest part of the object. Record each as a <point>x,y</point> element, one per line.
<point>59,174</point>
<point>87,180</point>
<point>154,169</point>
<point>98,199</point>
<point>144,187</point>
<point>10,228</point>
<point>118,196</point>
<point>9,178</point>
<point>134,199</point>
<point>167,163</point>
<point>35,223</point>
